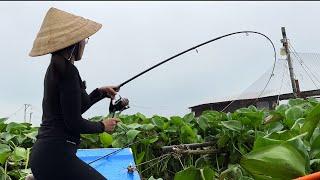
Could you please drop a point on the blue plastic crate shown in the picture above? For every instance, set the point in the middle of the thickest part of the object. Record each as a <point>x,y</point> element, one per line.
<point>113,167</point>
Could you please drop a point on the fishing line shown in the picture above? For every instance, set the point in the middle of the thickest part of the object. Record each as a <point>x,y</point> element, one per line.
<point>181,53</point>
<point>118,150</point>
<point>202,44</point>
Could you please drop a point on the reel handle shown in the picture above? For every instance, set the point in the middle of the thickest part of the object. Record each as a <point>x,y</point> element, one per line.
<point>119,105</point>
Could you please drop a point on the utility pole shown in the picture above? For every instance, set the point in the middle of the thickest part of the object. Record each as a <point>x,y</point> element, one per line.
<point>284,42</point>
<point>26,106</point>
<point>30,117</point>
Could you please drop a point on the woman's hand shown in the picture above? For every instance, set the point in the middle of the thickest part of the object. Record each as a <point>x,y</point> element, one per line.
<point>110,124</point>
<point>110,91</point>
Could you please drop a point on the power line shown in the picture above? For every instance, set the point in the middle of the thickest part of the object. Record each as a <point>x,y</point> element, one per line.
<point>15,112</point>
<point>302,62</point>
<point>36,109</point>
<point>306,72</point>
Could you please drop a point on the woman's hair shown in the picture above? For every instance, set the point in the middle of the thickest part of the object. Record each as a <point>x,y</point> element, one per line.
<point>70,50</point>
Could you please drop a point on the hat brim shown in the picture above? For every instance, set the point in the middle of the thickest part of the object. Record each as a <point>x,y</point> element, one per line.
<point>64,40</point>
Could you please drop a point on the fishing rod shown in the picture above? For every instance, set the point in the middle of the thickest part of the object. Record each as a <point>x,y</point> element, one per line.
<point>190,49</point>
<point>118,150</point>
<point>122,104</point>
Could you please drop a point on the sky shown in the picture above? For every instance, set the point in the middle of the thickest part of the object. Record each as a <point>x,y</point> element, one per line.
<point>137,35</point>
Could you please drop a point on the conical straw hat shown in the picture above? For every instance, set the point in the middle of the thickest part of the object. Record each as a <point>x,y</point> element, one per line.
<point>59,30</point>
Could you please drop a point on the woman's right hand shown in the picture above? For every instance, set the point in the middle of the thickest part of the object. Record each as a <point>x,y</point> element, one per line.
<point>110,124</point>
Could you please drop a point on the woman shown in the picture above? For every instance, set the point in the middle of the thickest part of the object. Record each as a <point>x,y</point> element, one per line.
<point>53,155</point>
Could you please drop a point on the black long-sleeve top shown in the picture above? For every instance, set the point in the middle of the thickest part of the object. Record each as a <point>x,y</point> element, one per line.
<point>64,100</point>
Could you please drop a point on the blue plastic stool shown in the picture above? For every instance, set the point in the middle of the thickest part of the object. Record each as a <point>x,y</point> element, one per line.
<point>113,167</point>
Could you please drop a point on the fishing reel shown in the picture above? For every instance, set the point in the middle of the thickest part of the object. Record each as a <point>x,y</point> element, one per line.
<point>119,105</point>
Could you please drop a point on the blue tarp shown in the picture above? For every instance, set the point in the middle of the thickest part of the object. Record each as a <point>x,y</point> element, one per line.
<point>113,167</point>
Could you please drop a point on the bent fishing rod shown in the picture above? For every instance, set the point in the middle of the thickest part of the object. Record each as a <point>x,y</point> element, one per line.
<point>192,48</point>
<point>122,104</point>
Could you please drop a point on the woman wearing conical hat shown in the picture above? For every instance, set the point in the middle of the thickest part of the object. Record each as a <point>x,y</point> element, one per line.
<point>53,155</point>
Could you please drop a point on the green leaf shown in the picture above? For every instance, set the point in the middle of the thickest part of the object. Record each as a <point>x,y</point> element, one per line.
<point>153,140</point>
<point>21,138</point>
<point>311,122</point>
<point>281,109</point>
<point>232,125</point>
<point>141,116</point>
<point>301,147</point>
<point>19,173</point>
<point>223,140</point>
<point>131,134</point>
<point>277,161</point>
<point>140,157</point>
<point>188,117</point>
<point>19,154</point>
<point>273,117</point>
<point>313,101</point>
<point>295,102</point>
<point>203,122</point>
<point>119,142</point>
<point>158,121</point>
<point>292,114</point>
<point>134,126</point>
<point>233,172</point>
<point>105,139</point>
<point>4,153</point>
<point>274,127</point>
<point>7,136</point>
<point>207,173</point>
<point>262,142</point>
<point>186,130</point>
<point>15,128</point>
<point>190,173</point>
<point>147,127</point>
<point>3,175</point>
<point>315,148</point>
<point>283,135</point>
<point>171,129</point>
<point>176,120</point>
<point>123,127</point>
<point>249,116</point>
<point>32,135</point>
<point>2,127</point>
<point>298,124</point>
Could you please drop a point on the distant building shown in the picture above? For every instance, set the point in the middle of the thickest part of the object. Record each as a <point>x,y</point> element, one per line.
<point>307,71</point>
<point>268,102</point>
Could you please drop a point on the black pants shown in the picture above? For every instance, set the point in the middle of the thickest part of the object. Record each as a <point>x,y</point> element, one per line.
<point>57,160</point>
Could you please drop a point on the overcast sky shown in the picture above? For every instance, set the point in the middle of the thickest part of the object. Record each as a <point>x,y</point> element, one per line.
<point>137,35</point>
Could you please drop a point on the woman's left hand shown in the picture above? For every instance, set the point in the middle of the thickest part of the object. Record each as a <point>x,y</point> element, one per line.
<point>111,91</point>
